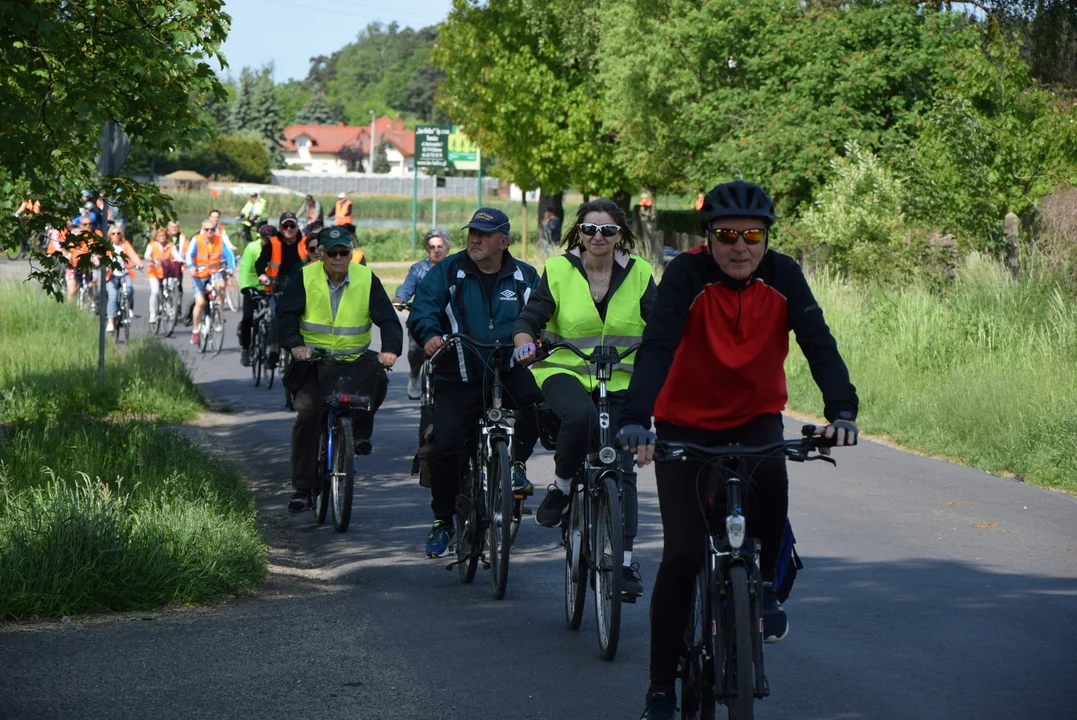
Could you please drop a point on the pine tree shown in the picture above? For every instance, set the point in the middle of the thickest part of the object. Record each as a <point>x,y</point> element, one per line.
<point>381,159</point>
<point>315,112</point>
<point>266,119</point>
<point>242,116</point>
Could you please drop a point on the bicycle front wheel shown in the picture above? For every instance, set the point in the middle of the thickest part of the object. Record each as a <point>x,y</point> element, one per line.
<point>499,528</point>
<point>342,475</point>
<point>204,327</point>
<point>170,309</point>
<point>321,503</point>
<point>696,669</point>
<point>231,294</point>
<point>609,546</point>
<point>740,675</point>
<point>217,328</point>
<point>576,554</point>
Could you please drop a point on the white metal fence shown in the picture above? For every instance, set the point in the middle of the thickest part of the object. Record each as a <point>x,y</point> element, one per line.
<point>361,184</point>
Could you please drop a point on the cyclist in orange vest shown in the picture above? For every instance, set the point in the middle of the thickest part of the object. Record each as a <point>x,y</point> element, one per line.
<point>342,213</point>
<point>283,252</point>
<point>161,255</point>
<point>80,230</point>
<point>208,258</point>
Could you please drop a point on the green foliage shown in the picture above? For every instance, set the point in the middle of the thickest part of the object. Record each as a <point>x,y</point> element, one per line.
<point>993,143</point>
<point>381,159</point>
<point>768,91</point>
<point>292,98</point>
<point>315,112</point>
<point>521,81</point>
<point>985,373</point>
<point>856,222</point>
<point>69,67</point>
<point>242,115</point>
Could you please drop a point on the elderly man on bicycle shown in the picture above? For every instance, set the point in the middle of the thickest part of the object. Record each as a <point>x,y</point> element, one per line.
<point>331,310</point>
<point>208,258</point>
<point>711,372</point>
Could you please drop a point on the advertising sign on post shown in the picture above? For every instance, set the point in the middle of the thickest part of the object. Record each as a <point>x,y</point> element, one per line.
<point>463,154</point>
<point>432,146</point>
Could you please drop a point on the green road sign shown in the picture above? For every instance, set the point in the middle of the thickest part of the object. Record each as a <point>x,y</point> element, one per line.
<point>432,146</point>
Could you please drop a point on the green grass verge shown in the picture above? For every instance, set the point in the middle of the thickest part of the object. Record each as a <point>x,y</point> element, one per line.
<point>985,374</point>
<point>107,516</point>
<point>101,507</point>
<point>48,366</point>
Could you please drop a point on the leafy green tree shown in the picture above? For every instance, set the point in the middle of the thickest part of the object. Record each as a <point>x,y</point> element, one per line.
<point>381,159</point>
<point>71,66</point>
<point>521,81</point>
<point>316,112</point>
<point>995,142</point>
<point>769,91</point>
<point>291,97</point>
<point>266,120</point>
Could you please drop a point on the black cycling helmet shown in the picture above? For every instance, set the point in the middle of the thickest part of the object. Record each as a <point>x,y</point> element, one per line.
<point>267,231</point>
<point>736,199</point>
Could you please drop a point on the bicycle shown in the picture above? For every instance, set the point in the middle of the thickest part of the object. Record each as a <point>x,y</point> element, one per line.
<point>722,662</point>
<point>487,510</point>
<point>260,339</point>
<point>39,240</point>
<point>593,535</point>
<point>121,324</point>
<point>211,328</point>
<point>84,297</point>
<point>347,387</point>
<point>168,309</point>
<point>231,293</point>
<point>283,366</point>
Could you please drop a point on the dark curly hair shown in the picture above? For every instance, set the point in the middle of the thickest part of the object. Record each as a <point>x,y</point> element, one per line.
<point>574,238</point>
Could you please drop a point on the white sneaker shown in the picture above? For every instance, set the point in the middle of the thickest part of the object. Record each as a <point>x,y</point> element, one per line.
<point>414,393</point>
<point>110,327</point>
<point>153,320</point>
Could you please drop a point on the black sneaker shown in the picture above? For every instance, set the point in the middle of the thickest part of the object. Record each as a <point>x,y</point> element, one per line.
<point>631,581</point>
<point>552,507</point>
<point>661,705</point>
<point>245,357</point>
<point>775,623</point>
<point>302,500</point>
<point>272,359</point>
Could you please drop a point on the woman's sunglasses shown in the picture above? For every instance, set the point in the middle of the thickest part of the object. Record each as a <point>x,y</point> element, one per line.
<point>589,229</point>
<point>312,248</point>
<point>752,236</point>
<point>336,253</point>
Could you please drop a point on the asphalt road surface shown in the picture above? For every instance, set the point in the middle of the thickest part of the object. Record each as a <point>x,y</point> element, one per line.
<point>930,591</point>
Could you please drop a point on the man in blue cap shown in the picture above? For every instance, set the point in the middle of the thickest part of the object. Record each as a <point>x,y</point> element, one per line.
<point>478,291</point>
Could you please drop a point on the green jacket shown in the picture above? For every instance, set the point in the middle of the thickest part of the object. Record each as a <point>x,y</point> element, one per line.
<point>248,276</point>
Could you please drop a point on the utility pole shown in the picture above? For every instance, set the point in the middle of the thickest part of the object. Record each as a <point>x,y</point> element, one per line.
<point>371,170</point>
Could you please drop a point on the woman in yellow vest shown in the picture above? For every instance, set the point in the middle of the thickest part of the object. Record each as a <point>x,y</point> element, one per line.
<point>333,309</point>
<point>595,294</point>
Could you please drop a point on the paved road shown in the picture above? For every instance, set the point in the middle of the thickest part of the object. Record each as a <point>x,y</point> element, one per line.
<point>931,591</point>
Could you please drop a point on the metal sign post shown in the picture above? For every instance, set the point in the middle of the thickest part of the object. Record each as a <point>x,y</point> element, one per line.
<point>431,151</point>
<point>115,146</point>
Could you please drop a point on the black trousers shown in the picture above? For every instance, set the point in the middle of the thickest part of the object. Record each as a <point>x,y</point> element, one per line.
<point>250,302</point>
<point>578,412</point>
<point>680,499</point>
<point>457,406</point>
<point>309,417</point>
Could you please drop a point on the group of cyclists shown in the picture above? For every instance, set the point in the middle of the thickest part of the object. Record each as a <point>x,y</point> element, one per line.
<point>713,338</point>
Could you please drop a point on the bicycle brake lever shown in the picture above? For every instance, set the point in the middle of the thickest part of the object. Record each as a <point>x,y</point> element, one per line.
<point>824,458</point>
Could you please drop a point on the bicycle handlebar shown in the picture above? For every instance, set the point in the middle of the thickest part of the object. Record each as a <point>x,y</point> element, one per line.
<point>798,450</point>
<point>453,338</point>
<point>601,355</point>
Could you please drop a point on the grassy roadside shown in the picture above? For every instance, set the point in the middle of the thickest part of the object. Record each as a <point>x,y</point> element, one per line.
<point>103,507</point>
<point>985,374</point>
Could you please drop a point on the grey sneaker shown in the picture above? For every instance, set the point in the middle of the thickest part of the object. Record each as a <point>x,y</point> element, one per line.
<point>775,623</point>
<point>414,393</point>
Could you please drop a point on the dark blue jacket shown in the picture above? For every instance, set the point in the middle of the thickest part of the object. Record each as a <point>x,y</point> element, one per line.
<point>451,299</point>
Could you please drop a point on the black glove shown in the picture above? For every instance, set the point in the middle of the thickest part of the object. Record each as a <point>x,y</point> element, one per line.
<point>848,426</point>
<point>634,436</point>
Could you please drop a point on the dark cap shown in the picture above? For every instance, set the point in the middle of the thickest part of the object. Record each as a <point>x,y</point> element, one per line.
<point>267,231</point>
<point>489,220</point>
<point>333,236</point>
<point>287,216</point>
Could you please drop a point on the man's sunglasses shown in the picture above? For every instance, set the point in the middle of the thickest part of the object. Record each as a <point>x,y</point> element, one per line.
<point>589,229</point>
<point>336,253</point>
<point>752,236</point>
<point>289,226</point>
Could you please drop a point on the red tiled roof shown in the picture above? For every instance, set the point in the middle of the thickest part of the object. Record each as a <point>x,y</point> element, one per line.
<point>334,138</point>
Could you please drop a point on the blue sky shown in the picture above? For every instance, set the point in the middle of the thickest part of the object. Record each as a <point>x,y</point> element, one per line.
<point>290,33</point>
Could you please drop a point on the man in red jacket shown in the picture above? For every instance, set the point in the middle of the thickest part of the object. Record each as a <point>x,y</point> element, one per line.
<point>711,371</point>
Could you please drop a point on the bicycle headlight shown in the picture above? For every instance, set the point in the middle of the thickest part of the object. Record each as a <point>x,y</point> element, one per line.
<point>494,415</point>
<point>734,528</point>
<point>607,455</point>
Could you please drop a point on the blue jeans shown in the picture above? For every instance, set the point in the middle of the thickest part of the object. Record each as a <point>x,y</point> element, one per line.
<point>112,287</point>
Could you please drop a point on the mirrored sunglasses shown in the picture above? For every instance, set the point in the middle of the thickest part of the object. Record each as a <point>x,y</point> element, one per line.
<point>589,229</point>
<point>752,236</point>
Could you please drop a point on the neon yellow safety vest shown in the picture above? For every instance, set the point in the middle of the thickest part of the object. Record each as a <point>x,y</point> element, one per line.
<point>576,320</point>
<point>348,334</point>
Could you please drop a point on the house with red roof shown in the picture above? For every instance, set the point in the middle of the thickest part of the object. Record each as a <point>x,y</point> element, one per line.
<point>346,148</point>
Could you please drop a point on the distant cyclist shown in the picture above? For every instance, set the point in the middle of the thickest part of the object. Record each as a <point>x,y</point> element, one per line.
<point>712,372</point>
<point>114,280</point>
<point>251,216</point>
<point>437,249</point>
<point>163,256</point>
<point>208,258</point>
<point>251,288</point>
<point>284,251</point>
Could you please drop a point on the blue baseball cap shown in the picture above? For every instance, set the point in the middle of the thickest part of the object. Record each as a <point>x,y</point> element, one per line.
<point>489,220</point>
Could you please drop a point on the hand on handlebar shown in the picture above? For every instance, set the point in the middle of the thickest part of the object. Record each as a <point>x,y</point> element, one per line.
<point>524,354</point>
<point>432,345</point>
<point>640,440</point>
<point>842,432</point>
<point>387,359</point>
<point>302,353</point>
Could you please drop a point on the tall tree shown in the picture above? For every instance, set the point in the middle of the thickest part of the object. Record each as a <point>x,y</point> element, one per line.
<point>69,67</point>
<point>243,115</point>
<point>381,159</point>
<point>266,121</point>
<point>316,112</point>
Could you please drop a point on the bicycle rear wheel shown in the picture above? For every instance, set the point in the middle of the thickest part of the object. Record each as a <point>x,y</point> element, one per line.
<point>740,680</point>
<point>266,348</point>
<point>321,502</point>
<point>610,557</point>
<point>170,311</point>
<point>342,475</point>
<point>466,521</point>
<point>499,527</point>
<point>576,555</point>
<point>256,355</point>
<point>157,323</point>
<point>217,326</point>
<point>696,670</point>
<point>231,294</point>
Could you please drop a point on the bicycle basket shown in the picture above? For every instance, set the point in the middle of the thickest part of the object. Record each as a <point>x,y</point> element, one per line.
<point>549,426</point>
<point>349,385</point>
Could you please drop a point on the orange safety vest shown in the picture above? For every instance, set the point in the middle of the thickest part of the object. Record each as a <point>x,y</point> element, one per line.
<point>208,258</point>
<point>158,255</point>
<point>343,212</point>
<point>357,256</point>
<point>276,251</point>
